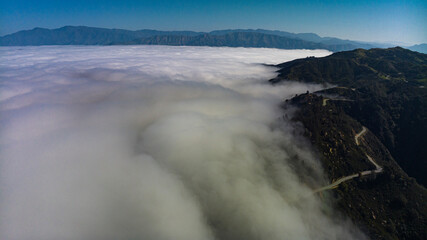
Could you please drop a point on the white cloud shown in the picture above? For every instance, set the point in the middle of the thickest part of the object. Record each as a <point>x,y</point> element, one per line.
<point>154,142</point>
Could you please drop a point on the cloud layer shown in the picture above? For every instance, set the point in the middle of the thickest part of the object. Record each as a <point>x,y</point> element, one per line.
<point>155,142</point>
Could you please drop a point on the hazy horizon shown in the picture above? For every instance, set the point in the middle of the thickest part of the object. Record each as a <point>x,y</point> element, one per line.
<point>367,21</point>
<point>362,41</point>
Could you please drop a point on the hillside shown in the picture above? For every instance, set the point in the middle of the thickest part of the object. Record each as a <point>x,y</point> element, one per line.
<point>388,205</point>
<point>391,98</point>
<point>353,68</point>
<point>384,91</point>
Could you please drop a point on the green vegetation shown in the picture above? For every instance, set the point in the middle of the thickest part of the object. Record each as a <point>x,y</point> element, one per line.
<point>389,96</point>
<point>390,205</point>
<point>354,68</point>
<point>384,91</point>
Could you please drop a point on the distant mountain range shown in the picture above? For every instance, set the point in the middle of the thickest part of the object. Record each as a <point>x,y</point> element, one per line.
<point>422,48</point>
<point>81,35</point>
<point>231,39</point>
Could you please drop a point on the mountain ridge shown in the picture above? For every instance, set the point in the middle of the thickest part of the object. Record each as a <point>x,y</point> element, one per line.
<point>232,39</point>
<point>83,35</point>
<point>383,91</point>
<point>389,205</point>
<point>391,99</point>
<point>422,48</point>
<point>79,35</point>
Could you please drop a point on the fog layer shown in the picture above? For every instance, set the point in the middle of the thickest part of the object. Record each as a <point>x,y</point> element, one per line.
<point>155,142</point>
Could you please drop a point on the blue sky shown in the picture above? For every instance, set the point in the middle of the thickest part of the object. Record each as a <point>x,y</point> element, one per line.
<point>375,20</point>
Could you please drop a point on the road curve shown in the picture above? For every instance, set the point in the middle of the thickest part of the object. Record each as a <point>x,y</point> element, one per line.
<point>325,100</point>
<point>336,183</point>
<point>373,162</point>
<point>357,136</point>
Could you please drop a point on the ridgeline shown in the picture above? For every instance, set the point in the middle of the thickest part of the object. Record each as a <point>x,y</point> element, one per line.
<point>384,90</point>
<point>82,35</point>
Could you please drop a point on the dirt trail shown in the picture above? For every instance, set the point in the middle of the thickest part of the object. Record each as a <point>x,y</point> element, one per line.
<point>336,183</point>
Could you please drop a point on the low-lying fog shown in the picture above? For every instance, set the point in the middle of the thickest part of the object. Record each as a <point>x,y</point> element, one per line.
<point>155,142</point>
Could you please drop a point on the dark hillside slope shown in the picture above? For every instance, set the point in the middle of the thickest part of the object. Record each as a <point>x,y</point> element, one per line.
<point>388,92</point>
<point>348,68</point>
<point>389,205</point>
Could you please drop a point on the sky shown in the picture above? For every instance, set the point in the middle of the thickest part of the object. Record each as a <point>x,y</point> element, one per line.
<point>383,21</point>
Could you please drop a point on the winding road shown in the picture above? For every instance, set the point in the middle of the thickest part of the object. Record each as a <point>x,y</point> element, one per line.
<point>336,183</point>
<point>357,136</point>
<point>325,100</point>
